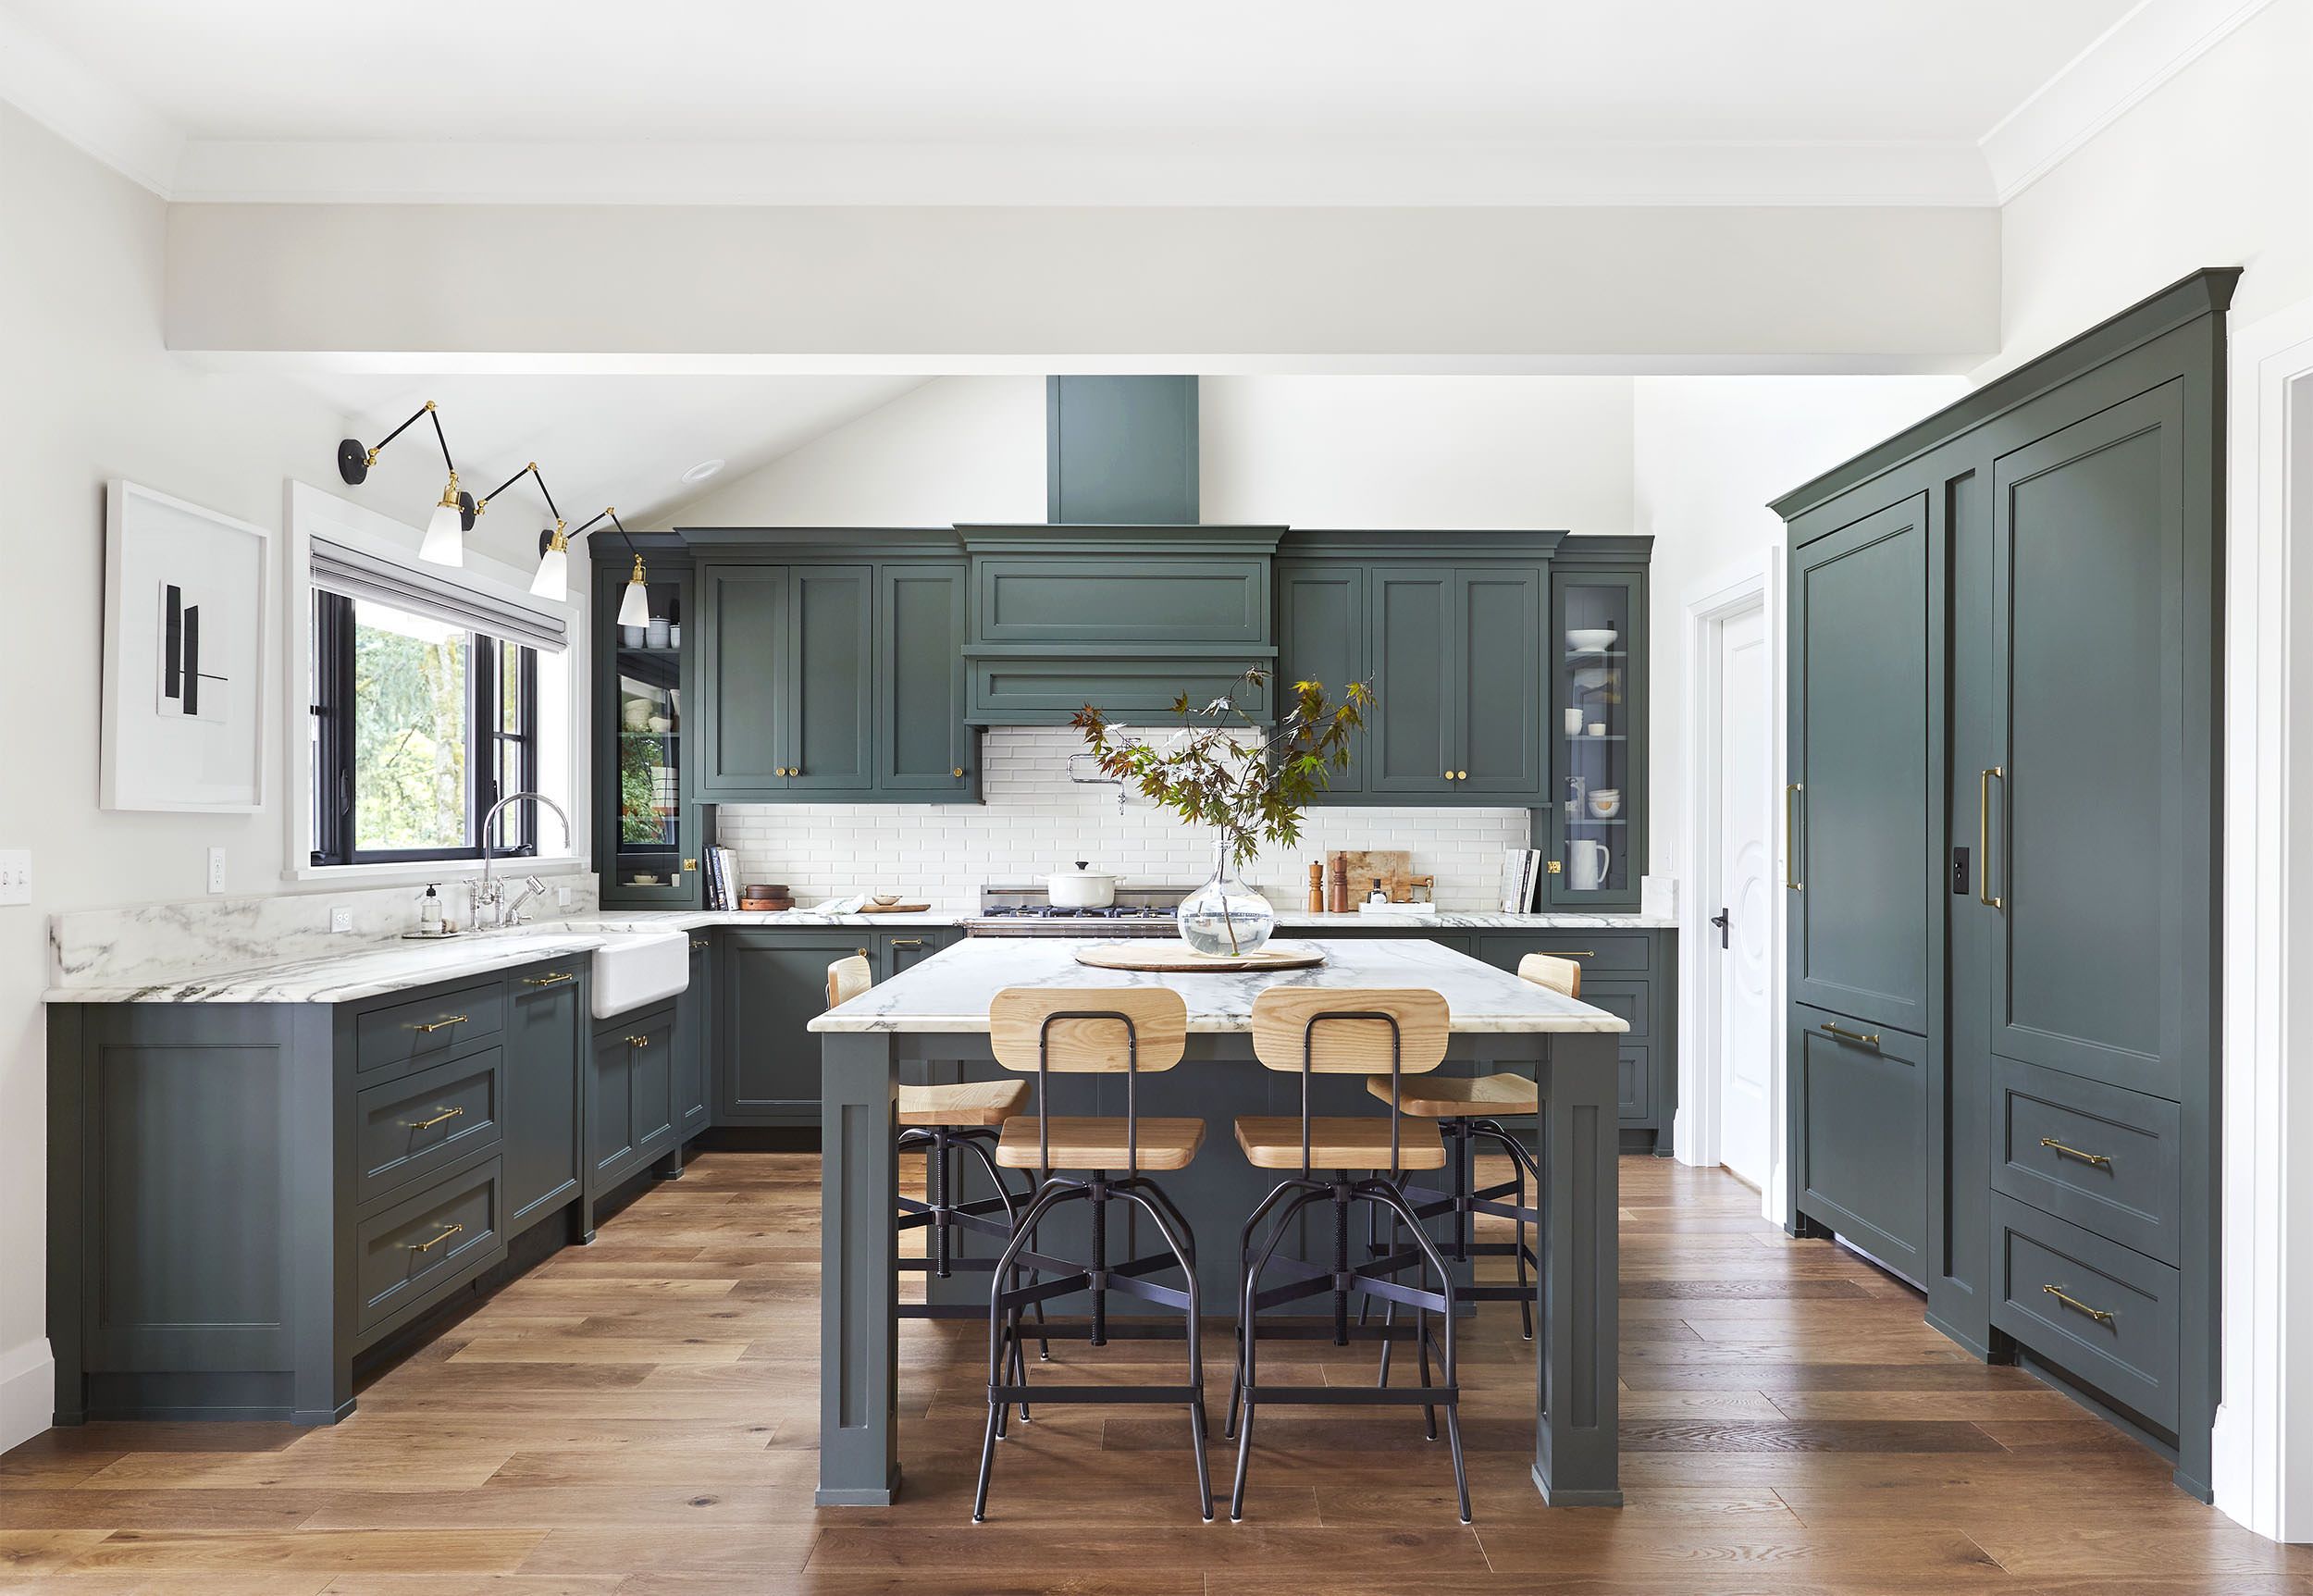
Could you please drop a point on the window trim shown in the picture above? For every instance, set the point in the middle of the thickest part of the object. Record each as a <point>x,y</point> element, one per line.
<point>334,845</point>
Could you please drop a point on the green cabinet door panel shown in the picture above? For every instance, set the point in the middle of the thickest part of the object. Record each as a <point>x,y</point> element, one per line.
<point>1102,598</point>
<point>1607,686</point>
<point>545,1026</point>
<point>1859,918</point>
<point>1321,634</point>
<point>771,985</point>
<point>831,640</point>
<point>1417,733</point>
<point>920,741</point>
<point>613,1136</point>
<point>694,1042</point>
<point>2088,815</point>
<point>1860,1151</point>
<point>744,666</point>
<point>1498,684</point>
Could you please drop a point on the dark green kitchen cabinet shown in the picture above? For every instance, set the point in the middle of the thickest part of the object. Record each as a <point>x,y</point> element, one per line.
<point>1321,637</point>
<point>921,743</point>
<point>899,951</point>
<point>630,1096</point>
<point>1410,643</point>
<point>694,1043</point>
<point>1633,975</point>
<point>744,660</point>
<point>545,1063</point>
<point>786,656</point>
<point>772,983</point>
<point>1593,833</point>
<point>1859,1165</point>
<point>829,679</point>
<point>648,819</point>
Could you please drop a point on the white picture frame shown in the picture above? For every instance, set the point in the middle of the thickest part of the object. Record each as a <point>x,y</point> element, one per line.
<point>187,631</point>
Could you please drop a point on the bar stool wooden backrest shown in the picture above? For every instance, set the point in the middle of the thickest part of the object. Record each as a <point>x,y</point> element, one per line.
<point>1311,1031</point>
<point>1561,975</point>
<point>847,978</point>
<point>1127,1030</point>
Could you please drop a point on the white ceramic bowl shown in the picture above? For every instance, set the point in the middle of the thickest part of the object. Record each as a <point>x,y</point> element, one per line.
<point>1606,803</point>
<point>1591,637</point>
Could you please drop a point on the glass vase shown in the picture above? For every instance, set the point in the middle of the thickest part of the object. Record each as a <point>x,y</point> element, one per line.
<point>1226,917</point>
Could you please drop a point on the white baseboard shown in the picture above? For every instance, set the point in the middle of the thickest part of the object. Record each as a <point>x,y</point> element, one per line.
<point>28,1393</point>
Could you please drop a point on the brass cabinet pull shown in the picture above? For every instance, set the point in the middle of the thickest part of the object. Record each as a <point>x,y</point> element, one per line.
<point>861,952</point>
<point>638,1042</point>
<point>1868,1038</point>
<point>957,772</point>
<point>437,1119</point>
<point>1790,846</point>
<point>442,1024</point>
<point>2101,1160</point>
<point>907,942</point>
<point>1449,776</point>
<point>701,944</point>
<point>1575,953</point>
<point>429,1246</point>
<point>553,978</point>
<point>1984,834</point>
<point>2102,1316</point>
<point>690,864</point>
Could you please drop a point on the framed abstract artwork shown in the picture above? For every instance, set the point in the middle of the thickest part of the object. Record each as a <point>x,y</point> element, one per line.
<point>188,621</point>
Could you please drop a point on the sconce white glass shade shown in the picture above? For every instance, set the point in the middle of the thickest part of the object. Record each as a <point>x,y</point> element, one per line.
<point>553,578</point>
<point>634,609</point>
<point>445,536</point>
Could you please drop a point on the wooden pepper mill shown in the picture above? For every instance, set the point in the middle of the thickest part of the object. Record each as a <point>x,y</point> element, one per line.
<point>1338,902</point>
<point>1317,888</point>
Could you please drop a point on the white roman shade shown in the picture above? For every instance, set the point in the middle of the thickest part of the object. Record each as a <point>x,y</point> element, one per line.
<point>339,568</point>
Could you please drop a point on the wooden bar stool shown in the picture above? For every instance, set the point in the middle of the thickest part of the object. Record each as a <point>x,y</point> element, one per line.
<point>1314,1031</point>
<point>1091,1031</point>
<point>940,1122</point>
<point>1468,1111</point>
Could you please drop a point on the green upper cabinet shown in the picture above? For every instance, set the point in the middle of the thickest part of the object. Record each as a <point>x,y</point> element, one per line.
<point>1321,634</point>
<point>1498,684</point>
<point>647,813</point>
<point>743,655</point>
<point>921,743</point>
<point>829,671</point>
<point>1595,724</point>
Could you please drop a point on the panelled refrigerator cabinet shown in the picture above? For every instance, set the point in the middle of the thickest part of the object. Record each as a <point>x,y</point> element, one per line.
<point>2002,864</point>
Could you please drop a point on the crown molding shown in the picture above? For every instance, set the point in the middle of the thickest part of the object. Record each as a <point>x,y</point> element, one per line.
<point>2126,63</point>
<point>55,91</point>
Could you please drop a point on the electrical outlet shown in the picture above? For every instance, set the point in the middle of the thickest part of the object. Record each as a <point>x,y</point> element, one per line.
<point>16,875</point>
<point>340,918</point>
<point>561,897</point>
<point>217,870</point>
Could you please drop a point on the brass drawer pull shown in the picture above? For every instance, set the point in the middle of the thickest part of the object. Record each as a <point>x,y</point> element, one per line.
<point>1791,848</point>
<point>690,864</point>
<point>429,1246</point>
<point>1576,953</point>
<point>701,944</point>
<point>437,1119</point>
<point>2102,1316</point>
<point>1984,834</point>
<point>1868,1038</point>
<point>442,1024</point>
<point>899,942</point>
<point>554,979</point>
<point>861,952</point>
<point>638,1042</point>
<point>2101,1160</point>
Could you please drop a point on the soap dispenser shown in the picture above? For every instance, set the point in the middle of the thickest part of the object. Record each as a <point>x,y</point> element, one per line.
<point>429,912</point>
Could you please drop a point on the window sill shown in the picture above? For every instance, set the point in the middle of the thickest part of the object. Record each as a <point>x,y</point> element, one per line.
<point>427,869</point>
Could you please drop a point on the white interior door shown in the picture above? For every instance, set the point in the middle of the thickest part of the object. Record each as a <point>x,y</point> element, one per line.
<point>1745,891</point>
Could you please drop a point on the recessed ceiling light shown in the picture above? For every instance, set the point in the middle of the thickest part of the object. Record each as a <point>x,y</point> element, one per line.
<point>704,469</point>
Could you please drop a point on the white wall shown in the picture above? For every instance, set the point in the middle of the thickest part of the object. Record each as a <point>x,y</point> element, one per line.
<point>2209,169</point>
<point>955,448</point>
<point>1418,451</point>
<point>91,394</point>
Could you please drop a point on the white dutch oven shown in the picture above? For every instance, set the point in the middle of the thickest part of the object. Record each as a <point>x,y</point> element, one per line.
<point>1082,887</point>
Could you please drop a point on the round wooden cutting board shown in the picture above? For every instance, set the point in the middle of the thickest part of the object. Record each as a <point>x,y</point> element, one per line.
<point>1164,954</point>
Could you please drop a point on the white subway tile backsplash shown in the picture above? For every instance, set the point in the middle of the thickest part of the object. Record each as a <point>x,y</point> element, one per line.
<point>1036,821</point>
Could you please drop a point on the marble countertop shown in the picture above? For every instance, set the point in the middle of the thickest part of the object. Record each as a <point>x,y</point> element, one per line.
<point>369,969</point>
<point>950,991</point>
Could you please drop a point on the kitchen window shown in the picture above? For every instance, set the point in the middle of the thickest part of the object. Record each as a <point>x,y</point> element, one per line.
<point>430,699</point>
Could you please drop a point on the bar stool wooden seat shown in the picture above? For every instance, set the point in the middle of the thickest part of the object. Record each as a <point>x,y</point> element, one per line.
<point>1469,1111</point>
<point>941,1122</point>
<point>1091,1031</point>
<point>1317,1030</point>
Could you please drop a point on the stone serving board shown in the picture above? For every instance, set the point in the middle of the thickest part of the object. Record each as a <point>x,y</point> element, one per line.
<point>1173,957</point>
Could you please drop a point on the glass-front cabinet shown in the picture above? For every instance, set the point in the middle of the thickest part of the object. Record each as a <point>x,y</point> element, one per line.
<point>1596,724</point>
<point>646,812</point>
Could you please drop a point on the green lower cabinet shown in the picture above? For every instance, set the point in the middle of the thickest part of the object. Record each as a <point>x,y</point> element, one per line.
<point>1633,975</point>
<point>629,1094</point>
<point>1858,1134</point>
<point>897,951</point>
<point>546,1028</point>
<point>694,1086</point>
<point>770,984</point>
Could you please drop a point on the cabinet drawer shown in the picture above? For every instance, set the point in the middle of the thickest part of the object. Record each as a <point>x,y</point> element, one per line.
<point>1596,951</point>
<point>423,1027</point>
<point>1859,1101</point>
<point>2117,1331</point>
<point>2101,1157</point>
<point>1626,1000</point>
<point>404,1130</point>
<point>426,1244</point>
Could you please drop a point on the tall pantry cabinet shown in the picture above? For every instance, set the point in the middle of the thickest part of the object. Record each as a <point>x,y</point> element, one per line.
<point>2002,862</point>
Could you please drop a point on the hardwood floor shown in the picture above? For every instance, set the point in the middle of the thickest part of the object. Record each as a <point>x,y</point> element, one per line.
<point>638,1418</point>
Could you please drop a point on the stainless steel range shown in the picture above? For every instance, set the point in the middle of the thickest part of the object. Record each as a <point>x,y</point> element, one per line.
<point>1028,912</point>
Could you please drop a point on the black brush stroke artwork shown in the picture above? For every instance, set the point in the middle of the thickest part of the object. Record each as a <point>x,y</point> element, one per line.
<point>181,675</point>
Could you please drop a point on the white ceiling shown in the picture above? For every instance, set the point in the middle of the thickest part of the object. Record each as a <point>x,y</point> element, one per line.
<point>598,441</point>
<point>1059,101</point>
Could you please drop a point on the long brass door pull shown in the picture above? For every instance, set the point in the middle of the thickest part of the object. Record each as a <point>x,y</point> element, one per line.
<point>2102,1316</point>
<point>1867,1038</point>
<point>1790,845</point>
<point>2101,1160</point>
<point>1984,834</point>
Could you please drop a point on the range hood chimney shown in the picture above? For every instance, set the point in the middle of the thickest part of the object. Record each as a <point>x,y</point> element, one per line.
<point>1121,451</point>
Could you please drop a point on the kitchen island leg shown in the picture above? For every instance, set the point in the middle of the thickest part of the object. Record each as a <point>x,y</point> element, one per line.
<point>1576,1321</point>
<point>859,1356</point>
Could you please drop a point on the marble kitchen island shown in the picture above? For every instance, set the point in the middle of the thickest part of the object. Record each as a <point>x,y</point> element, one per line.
<point>933,1020</point>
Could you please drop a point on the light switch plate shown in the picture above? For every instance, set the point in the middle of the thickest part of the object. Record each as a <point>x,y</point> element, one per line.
<point>16,875</point>
<point>340,918</point>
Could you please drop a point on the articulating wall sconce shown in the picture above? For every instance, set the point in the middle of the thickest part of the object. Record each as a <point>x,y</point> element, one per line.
<point>634,607</point>
<point>452,518</point>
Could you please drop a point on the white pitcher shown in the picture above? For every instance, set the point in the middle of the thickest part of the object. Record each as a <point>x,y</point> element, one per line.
<point>1585,864</point>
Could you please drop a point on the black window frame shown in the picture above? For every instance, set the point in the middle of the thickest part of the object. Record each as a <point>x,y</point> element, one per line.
<point>488,742</point>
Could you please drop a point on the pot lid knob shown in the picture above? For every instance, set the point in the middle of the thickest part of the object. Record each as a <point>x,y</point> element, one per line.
<point>1083,864</point>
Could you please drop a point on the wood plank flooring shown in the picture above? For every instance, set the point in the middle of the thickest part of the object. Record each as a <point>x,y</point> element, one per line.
<point>638,1419</point>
